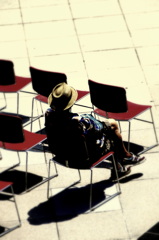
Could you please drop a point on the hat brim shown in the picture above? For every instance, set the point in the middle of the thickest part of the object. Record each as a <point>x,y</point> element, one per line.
<point>74,95</point>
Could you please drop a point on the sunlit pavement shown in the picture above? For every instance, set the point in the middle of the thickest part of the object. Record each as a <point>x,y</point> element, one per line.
<point>109,41</point>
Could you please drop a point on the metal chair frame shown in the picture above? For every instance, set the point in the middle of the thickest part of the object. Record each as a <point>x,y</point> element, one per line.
<point>4,186</point>
<point>91,208</point>
<point>23,142</point>
<point>118,107</point>
<point>9,82</point>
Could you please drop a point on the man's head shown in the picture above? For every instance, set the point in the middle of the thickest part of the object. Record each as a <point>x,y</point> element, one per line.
<point>62,97</point>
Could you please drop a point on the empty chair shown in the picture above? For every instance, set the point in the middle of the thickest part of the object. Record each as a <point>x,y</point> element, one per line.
<point>43,82</point>
<point>76,154</point>
<point>111,102</point>
<point>3,187</point>
<point>9,82</point>
<point>14,138</point>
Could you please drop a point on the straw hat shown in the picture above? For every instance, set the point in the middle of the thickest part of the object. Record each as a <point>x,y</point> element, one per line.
<point>62,97</point>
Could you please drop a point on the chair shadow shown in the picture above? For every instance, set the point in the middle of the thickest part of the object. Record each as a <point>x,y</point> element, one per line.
<point>152,233</point>
<point>68,204</point>
<point>18,179</point>
<point>135,148</point>
<point>2,229</point>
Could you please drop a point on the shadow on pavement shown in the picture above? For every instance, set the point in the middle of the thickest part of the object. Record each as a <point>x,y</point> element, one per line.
<point>151,234</point>
<point>68,204</point>
<point>18,179</point>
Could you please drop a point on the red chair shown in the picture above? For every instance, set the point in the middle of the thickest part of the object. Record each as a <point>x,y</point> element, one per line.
<point>111,102</point>
<point>14,138</point>
<point>77,155</point>
<point>9,83</point>
<point>43,82</point>
<point>3,187</point>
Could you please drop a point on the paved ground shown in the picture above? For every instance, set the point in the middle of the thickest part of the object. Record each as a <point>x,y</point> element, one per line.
<point>110,41</point>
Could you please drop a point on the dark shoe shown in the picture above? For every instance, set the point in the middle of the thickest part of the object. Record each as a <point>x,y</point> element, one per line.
<point>124,171</point>
<point>134,160</point>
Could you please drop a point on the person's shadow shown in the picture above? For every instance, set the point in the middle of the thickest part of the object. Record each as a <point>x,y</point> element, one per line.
<point>68,203</point>
<point>71,202</point>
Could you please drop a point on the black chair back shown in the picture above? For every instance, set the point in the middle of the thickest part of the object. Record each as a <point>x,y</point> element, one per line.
<point>11,130</point>
<point>107,97</point>
<point>44,81</point>
<point>7,75</point>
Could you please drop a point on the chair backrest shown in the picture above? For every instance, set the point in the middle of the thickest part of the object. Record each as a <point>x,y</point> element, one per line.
<point>44,81</point>
<point>7,75</point>
<point>11,130</point>
<point>68,144</point>
<point>107,97</point>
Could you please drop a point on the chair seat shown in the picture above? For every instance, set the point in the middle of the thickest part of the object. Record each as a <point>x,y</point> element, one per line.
<point>105,156</point>
<point>133,110</point>
<point>20,83</point>
<point>81,94</point>
<point>15,138</point>
<point>4,185</point>
<point>31,140</point>
<point>41,98</point>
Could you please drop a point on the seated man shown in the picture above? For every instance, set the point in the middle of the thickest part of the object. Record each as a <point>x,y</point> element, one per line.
<point>101,135</point>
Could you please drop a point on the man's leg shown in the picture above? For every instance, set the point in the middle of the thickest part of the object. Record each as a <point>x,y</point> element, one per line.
<point>119,146</point>
<point>122,154</point>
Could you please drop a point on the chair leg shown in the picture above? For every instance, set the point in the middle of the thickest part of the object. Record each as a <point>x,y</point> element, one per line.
<point>26,173</point>
<point>48,186</point>
<point>5,100</point>
<point>16,207</point>
<point>107,199</point>
<point>90,198</point>
<point>43,181</point>
<point>79,173</point>
<point>18,215</point>
<point>37,117</point>
<point>48,183</point>
<point>49,178</point>
<point>116,172</point>
<point>41,108</point>
<point>154,128</point>
<point>42,113</point>
<point>155,133</point>
<point>32,109</point>
<point>129,129</point>
<point>17,102</point>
